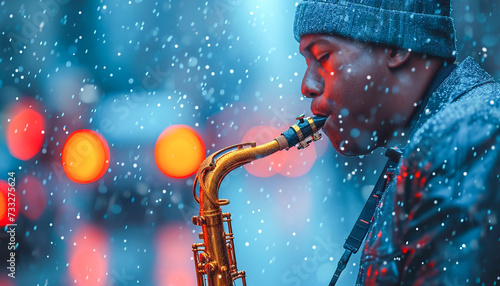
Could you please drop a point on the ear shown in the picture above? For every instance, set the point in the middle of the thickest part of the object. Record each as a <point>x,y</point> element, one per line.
<point>397,57</point>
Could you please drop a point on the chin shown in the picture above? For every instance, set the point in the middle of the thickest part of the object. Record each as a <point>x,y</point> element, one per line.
<point>354,148</point>
<point>351,152</point>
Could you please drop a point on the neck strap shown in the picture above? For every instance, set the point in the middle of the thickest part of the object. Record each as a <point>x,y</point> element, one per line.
<point>365,219</point>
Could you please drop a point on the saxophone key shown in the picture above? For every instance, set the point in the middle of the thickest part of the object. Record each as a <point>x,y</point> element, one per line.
<point>198,220</point>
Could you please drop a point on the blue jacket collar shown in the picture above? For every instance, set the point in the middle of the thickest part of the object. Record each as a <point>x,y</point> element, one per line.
<point>458,80</point>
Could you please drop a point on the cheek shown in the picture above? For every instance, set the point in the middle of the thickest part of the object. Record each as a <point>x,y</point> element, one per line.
<point>328,72</point>
<point>361,102</point>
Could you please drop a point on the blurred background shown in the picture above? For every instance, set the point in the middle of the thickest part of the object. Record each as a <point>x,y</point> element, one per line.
<point>220,71</point>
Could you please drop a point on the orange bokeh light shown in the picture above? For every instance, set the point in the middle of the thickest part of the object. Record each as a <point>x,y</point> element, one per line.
<point>179,151</point>
<point>85,156</point>
<point>4,204</point>
<point>25,133</point>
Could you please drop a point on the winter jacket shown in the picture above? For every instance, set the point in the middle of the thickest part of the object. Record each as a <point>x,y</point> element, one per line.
<point>438,223</point>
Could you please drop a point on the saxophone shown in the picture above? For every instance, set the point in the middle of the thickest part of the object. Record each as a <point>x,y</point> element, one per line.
<point>215,259</point>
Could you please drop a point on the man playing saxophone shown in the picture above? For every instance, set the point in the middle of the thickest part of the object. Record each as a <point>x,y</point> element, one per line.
<point>384,73</point>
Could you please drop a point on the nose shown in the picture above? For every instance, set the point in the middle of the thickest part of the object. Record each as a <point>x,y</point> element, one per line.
<point>312,83</point>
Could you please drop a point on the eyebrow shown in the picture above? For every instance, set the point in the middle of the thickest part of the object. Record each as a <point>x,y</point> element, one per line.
<point>311,44</point>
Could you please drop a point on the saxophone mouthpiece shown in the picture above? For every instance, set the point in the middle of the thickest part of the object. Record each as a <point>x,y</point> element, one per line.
<point>319,121</point>
<point>303,132</point>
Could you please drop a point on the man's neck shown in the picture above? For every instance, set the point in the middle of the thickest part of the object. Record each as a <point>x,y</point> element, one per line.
<point>401,136</point>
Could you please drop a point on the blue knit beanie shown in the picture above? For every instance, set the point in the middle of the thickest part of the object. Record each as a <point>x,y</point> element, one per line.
<point>424,26</point>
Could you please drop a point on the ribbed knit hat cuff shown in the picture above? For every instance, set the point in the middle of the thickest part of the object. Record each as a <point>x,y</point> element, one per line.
<point>422,33</point>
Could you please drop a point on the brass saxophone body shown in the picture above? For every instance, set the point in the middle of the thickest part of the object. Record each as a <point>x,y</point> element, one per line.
<point>215,259</point>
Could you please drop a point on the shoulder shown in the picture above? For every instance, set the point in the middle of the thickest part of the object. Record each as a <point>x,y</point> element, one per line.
<point>462,125</point>
<point>448,188</point>
<point>479,106</point>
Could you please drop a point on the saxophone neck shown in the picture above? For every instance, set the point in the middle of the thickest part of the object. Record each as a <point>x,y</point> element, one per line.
<point>215,167</point>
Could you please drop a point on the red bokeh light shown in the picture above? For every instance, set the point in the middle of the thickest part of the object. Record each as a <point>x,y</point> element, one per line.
<point>270,165</point>
<point>34,197</point>
<point>88,252</point>
<point>291,163</point>
<point>4,204</point>
<point>25,133</point>
<point>299,161</point>
<point>6,281</point>
<point>174,265</point>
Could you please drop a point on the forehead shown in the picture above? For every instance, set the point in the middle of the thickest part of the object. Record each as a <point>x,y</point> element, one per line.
<point>310,42</point>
